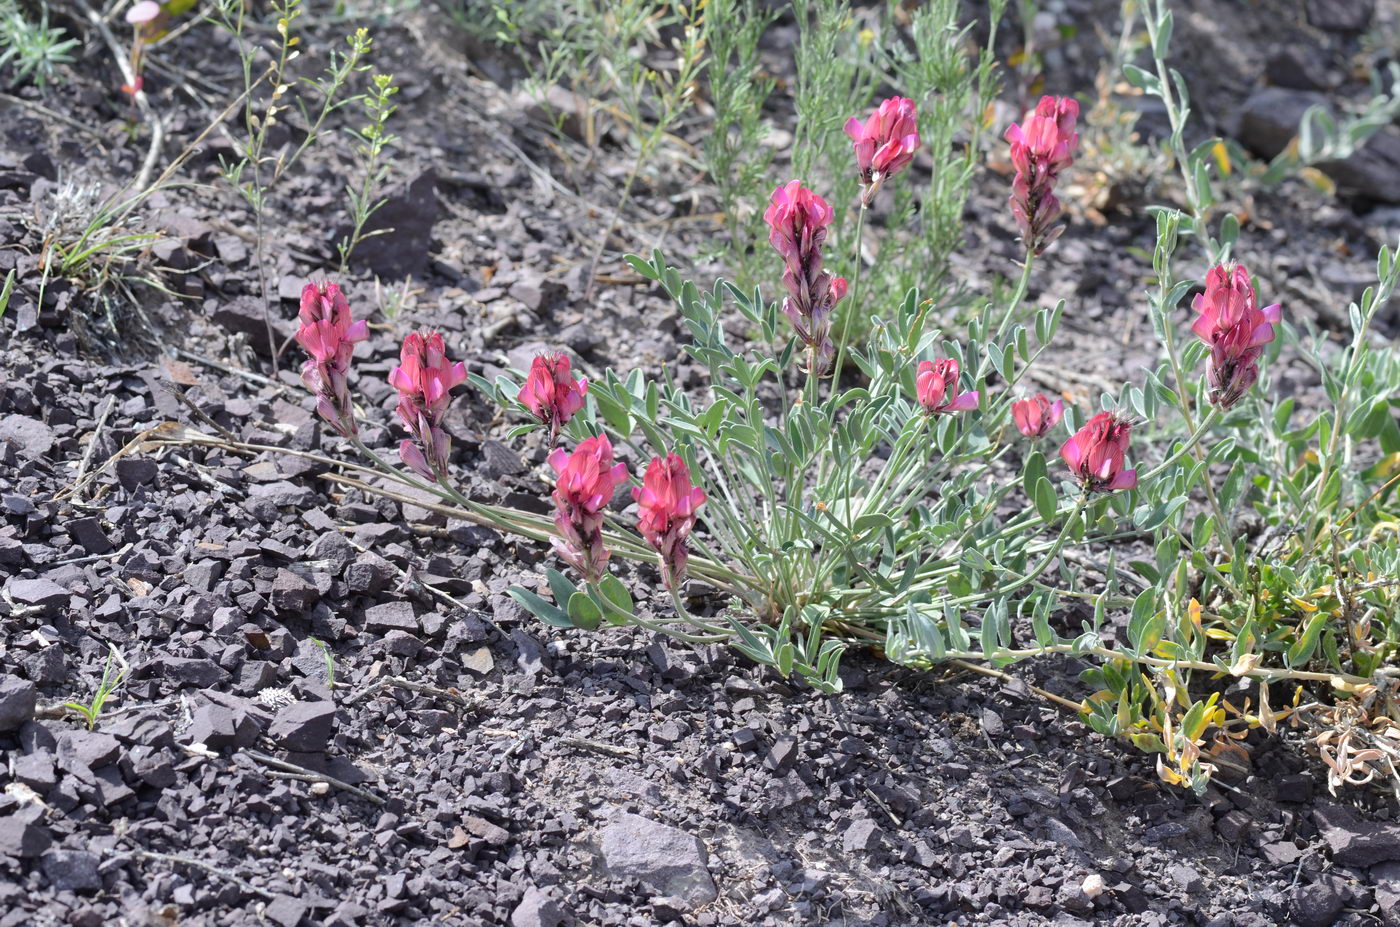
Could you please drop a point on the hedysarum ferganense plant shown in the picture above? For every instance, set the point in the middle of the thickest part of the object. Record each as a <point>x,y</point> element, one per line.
<point>794,516</point>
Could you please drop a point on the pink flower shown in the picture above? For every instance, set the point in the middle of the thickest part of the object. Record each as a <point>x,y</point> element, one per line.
<point>329,335</point>
<point>797,219</point>
<point>667,503</point>
<point>1234,326</point>
<point>885,144</point>
<point>1042,146</point>
<point>551,393</point>
<point>1037,415</point>
<point>937,387</point>
<point>588,478</point>
<point>424,379</point>
<point>1095,453</point>
<point>143,12</point>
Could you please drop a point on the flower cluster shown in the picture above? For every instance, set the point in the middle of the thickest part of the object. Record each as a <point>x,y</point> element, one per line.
<point>1095,453</point>
<point>424,379</point>
<point>1042,146</point>
<point>936,386</point>
<point>797,219</point>
<point>1236,329</point>
<point>328,335</point>
<point>884,145</point>
<point>667,503</point>
<point>551,393</point>
<point>587,481</point>
<point>1035,416</point>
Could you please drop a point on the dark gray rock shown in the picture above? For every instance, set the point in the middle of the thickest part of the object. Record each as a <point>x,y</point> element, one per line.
<point>1189,879</point>
<point>303,727</point>
<point>225,723</point>
<point>1295,788</point>
<point>92,749</point>
<point>333,547</point>
<point>1356,843</point>
<point>1300,67</point>
<point>782,754</point>
<point>133,472</point>
<point>391,616</point>
<point>410,211</point>
<point>536,909</point>
<point>22,835</point>
<point>1387,879</point>
<point>17,701</point>
<point>1318,904</point>
<point>195,671</point>
<point>369,574</point>
<point>660,856</point>
<point>861,837</point>
<point>89,535</point>
<point>1341,15</point>
<point>292,594</point>
<point>1269,121</point>
<point>245,315</point>
<point>41,593</point>
<point>286,911</point>
<point>1269,118</point>
<point>71,870</point>
<point>31,438</point>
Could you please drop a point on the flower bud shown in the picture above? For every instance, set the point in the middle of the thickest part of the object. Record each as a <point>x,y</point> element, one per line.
<point>937,388</point>
<point>1035,416</point>
<point>1095,454</point>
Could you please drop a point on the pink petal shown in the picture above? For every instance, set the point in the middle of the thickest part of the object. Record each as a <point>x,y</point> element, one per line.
<point>1126,479</point>
<point>1072,452</point>
<point>964,402</point>
<point>413,458</point>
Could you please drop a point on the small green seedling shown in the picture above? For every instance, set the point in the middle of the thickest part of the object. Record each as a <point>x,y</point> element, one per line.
<point>330,661</point>
<point>110,681</point>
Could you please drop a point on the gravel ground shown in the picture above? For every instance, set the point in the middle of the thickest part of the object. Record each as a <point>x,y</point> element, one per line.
<point>335,715</point>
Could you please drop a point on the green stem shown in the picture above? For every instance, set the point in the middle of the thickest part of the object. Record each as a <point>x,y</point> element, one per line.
<point>853,304</point>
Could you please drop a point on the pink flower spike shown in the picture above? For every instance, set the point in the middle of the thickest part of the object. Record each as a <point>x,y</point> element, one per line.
<point>667,503</point>
<point>551,393</point>
<point>1042,147</point>
<point>1230,322</point>
<point>424,380</point>
<point>797,220</point>
<point>885,144</point>
<point>1035,416</point>
<point>329,335</point>
<point>587,481</point>
<point>936,385</point>
<point>1095,454</point>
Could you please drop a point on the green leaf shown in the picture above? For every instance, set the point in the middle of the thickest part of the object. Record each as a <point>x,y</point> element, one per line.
<point>1142,80</point>
<point>584,612</point>
<point>1162,37</point>
<point>1302,650</point>
<point>1045,501</point>
<point>560,586</point>
<point>1033,473</point>
<point>539,607</point>
<point>642,267</point>
<point>875,521</point>
<point>616,594</point>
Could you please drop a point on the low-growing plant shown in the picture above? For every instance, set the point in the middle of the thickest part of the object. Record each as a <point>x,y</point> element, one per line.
<point>30,48</point>
<point>913,507</point>
<point>258,167</point>
<point>113,674</point>
<point>369,159</point>
<point>6,290</point>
